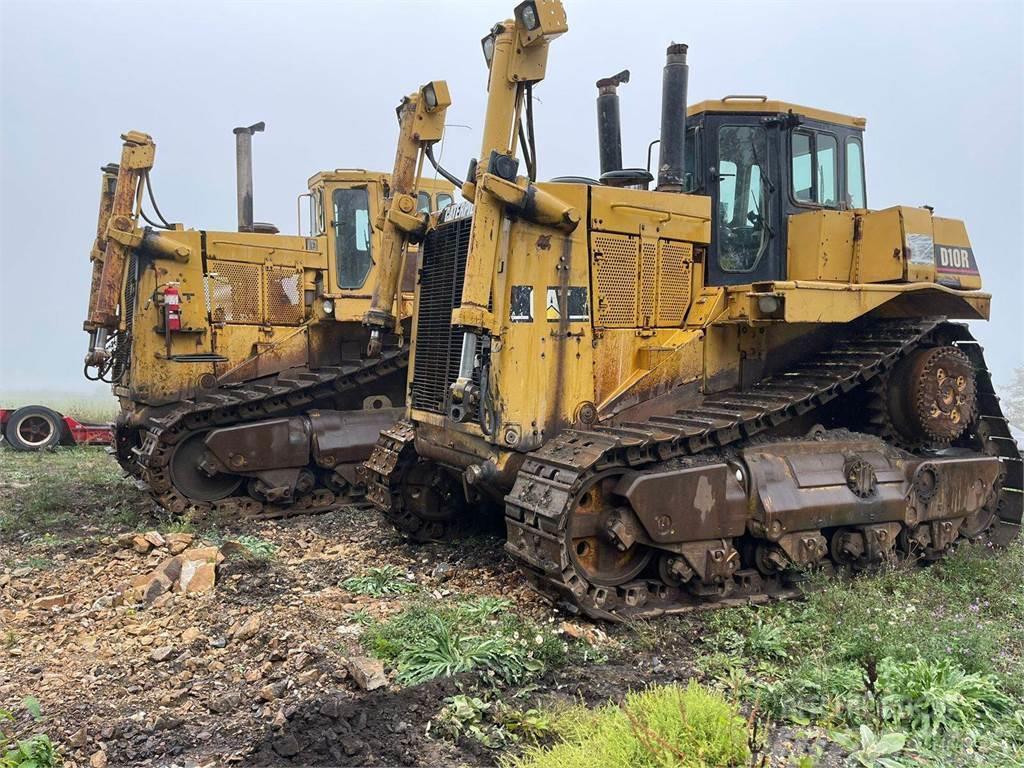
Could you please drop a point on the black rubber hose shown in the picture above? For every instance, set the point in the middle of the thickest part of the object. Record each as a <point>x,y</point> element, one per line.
<point>429,151</point>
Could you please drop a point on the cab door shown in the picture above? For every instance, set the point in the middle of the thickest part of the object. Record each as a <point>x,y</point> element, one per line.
<point>743,173</point>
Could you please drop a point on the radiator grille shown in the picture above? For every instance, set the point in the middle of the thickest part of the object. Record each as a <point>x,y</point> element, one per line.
<point>615,262</point>
<point>438,345</point>
<point>674,283</point>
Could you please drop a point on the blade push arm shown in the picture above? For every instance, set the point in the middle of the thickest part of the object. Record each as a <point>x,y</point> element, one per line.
<point>516,52</point>
<point>421,118</point>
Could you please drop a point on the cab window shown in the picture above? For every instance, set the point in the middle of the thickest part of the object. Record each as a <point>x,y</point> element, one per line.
<point>826,164</point>
<point>856,195</point>
<point>423,202</point>
<point>443,200</point>
<point>815,168</point>
<point>352,236</point>
<point>743,231</point>
<point>803,188</point>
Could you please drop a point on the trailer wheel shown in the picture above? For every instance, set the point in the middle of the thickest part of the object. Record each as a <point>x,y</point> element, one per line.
<point>34,428</point>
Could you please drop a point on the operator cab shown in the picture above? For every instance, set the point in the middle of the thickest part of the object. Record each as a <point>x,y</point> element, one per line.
<point>762,161</point>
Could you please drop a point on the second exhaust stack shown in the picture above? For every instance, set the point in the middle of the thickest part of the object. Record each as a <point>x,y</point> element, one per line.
<point>243,173</point>
<point>671,163</point>
<point>609,131</point>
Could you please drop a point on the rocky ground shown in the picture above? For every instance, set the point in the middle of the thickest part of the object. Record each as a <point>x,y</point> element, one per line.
<point>152,642</point>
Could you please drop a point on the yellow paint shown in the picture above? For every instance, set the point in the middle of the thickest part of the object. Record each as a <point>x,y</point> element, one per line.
<point>771,106</point>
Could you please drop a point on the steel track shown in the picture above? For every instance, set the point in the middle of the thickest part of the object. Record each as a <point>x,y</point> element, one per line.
<point>286,393</point>
<point>539,505</point>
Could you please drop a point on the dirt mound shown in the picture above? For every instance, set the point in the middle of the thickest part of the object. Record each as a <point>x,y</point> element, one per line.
<point>377,728</point>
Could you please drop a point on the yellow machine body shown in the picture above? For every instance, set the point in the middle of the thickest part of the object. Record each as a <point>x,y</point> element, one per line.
<point>693,392</point>
<point>254,304</point>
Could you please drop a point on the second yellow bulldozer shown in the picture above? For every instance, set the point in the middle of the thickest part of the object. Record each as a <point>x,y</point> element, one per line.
<point>695,392</point>
<point>227,350</point>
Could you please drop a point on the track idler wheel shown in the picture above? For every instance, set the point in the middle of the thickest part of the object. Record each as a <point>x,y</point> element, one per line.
<point>602,537</point>
<point>932,396</point>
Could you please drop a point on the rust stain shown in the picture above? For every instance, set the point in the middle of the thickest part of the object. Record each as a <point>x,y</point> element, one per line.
<point>544,243</point>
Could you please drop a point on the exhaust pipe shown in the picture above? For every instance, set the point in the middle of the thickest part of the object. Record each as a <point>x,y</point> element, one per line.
<point>671,152</point>
<point>243,174</point>
<point>609,128</point>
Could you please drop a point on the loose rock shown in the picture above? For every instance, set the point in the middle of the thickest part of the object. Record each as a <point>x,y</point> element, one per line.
<point>368,673</point>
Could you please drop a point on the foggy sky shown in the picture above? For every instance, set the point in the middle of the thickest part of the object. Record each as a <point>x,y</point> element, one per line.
<point>940,86</point>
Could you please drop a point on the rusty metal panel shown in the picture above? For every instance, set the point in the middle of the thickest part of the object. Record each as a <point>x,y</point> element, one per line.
<point>814,470</point>
<point>284,296</point>
<point>674,279</point>
<point>686,504</point>
<point>233,292</point>
<point>262,445</point>
<point>341,437</point>
<point>615,262</point>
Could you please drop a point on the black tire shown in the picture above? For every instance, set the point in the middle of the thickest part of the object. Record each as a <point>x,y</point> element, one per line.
<point>34,428</point>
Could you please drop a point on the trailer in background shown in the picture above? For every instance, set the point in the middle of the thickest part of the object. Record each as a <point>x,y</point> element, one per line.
<point>37,428</point>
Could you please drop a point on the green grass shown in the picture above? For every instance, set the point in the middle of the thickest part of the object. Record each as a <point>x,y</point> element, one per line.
<point>427,641</point>
<point>934,655</point>
<point>71,489</point>
<point>691,727</point>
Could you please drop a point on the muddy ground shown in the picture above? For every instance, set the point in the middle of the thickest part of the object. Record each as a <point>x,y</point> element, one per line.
<point>179,683</point>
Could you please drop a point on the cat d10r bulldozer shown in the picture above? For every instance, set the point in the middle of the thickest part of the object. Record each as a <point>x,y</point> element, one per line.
<point>693,393</point>
<point>226,348</point>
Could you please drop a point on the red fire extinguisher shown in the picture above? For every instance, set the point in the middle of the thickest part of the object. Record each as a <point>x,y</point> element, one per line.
<point>172,308</point>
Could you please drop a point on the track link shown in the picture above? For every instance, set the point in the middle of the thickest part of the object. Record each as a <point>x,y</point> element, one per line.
<point>291,391</point>
<point>551,478</point>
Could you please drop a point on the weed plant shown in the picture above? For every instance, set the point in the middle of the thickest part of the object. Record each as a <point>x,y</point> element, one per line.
<point>427,641</point>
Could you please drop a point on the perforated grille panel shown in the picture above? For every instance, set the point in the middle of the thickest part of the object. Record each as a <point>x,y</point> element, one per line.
<point>252,294</point>
<point>615,259</point>
<point>284,296</point>
<point>234,292</point>
<point>641,284</point>
<point>674,282</point>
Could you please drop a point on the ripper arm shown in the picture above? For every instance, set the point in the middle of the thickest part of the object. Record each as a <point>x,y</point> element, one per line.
<point>421,123</point>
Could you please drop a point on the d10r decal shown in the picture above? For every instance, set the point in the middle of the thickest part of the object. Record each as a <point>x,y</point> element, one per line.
<point>958,259</point>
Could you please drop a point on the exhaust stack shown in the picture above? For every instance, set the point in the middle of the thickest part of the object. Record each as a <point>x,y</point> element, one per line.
<point>671,164</point>
<point>609,128</point>
<point>243,173</point>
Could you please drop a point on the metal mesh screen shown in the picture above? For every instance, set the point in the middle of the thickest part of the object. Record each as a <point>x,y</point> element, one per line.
<point>235,292</point>
<point>674,282</point>
<point>615,261</point>
<point>284,296</point>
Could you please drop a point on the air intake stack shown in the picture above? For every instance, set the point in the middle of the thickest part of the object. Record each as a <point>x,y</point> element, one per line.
<point>243,172</point>
<point>609,128</point>
<point>671,151</point>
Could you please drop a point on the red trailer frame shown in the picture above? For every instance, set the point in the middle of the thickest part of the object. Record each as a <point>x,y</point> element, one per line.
<point>74,432</point>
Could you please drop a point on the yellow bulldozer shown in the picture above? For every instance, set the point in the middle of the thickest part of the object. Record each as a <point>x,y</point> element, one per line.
<point>699,391</point>
<point>204,333</point>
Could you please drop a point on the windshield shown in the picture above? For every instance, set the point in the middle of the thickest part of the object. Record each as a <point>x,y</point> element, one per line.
<point>742,197</point>
<point>352,236</point>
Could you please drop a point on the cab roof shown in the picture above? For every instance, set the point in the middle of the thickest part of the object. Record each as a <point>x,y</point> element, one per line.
<point>762,104</point>
<point>359,174</point>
